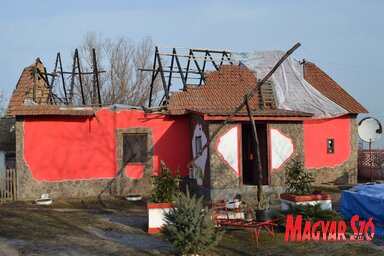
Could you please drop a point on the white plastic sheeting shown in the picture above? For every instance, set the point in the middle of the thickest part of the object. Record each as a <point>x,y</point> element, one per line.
<point>292,91</point>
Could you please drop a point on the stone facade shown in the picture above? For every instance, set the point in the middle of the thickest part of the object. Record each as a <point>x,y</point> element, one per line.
<point>345,173</point>
<point>219,179</point>
<point>224,182</point>
<point>222,176</point>
<point>29,188</point>
<point>295,131</point>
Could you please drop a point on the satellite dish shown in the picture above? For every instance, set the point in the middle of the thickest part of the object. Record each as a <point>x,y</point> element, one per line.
<point>370,129</point>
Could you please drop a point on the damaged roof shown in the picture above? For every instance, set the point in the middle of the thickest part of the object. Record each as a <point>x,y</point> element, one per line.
<point>329,88</point>
<point>224,90</point>
<point>31,97</point>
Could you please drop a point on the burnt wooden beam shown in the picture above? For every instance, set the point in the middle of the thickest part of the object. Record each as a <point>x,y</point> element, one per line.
<point>197,65</point>
<point>203,69</point>
<point>187,69</point>
<point>229,59</point>
<point>180,70</point>
<point>171,73</point>
<point>154,74</point>
<point>213,62</point>
<point>166,93</point>
<point>259,173</point>
<point>96,76</point>
<point>62,77</point>
<point>80,79</point>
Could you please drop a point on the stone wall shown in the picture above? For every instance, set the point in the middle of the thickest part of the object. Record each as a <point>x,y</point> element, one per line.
<point>29,188</point>
<point>345,173</point>
<point>295,131</point>
<point>222,176</point>
<point>225,183</point>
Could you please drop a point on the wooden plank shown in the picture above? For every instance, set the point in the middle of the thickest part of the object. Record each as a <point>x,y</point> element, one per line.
<point>8,185</point>
<point>14,184</point>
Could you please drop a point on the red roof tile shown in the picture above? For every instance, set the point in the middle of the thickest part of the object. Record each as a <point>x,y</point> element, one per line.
<point>329,88</point>
<point>22,104</point>
<point>223,91</point>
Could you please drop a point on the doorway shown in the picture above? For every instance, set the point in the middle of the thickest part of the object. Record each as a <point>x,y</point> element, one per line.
<point>249,155</point>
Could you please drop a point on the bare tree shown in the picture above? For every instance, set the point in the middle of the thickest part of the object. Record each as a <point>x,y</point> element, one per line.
<point>3,100</point>
<point>121,59</point>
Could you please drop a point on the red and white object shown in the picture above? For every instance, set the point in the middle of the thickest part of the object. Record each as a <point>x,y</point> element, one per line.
<point>289,201</point>
<point>228,148</point>
<point>156,216</point>
<point>282,148</point>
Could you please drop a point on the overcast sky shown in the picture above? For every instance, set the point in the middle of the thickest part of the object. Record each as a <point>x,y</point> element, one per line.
<point>344,38</point>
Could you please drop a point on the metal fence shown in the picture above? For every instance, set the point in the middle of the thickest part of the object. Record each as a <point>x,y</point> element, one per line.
<point>364,164</point>
<point>7,185</point>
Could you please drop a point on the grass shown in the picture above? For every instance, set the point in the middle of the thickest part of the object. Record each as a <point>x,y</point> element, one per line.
<point>72,218</point>
<point>239,242</point>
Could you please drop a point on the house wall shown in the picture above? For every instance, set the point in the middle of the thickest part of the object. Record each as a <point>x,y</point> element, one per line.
<point>223,175</point>
<point>303,141</point>
<point>294,131</point>
<point>199,127</point>
<point>341,166</point>
<point>80,156</point>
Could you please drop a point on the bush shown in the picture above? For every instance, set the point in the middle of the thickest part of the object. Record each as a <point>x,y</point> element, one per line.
<point>298,180</point>
<point>166,185</point>
<point>314,213</point>
<point>190,227</point>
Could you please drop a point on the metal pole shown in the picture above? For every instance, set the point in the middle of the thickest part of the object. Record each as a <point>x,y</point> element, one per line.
<point>370,158</point>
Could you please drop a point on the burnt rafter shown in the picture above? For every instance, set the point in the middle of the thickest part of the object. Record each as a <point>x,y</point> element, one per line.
<point>59,85</point>
<point>181,67</point>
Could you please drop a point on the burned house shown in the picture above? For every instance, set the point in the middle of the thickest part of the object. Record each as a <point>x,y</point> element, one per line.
<point>300,112</point>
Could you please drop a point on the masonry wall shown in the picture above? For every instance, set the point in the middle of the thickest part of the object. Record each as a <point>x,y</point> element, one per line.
<point>293,130</point>
<point>341,166</point>
<point>308,140</point>
<point>82,156</point>
<point>222,174</point>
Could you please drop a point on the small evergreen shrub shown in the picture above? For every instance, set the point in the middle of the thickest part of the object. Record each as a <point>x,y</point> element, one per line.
<point>298,180</point>
<point>190,227</point>
<point>314,213</point>
<point>166,185</point>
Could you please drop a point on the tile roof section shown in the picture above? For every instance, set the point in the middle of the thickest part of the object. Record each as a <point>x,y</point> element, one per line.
<point>329,88</point>
<point>223,91</point>
<point>264,113</point>
<point>24,92</point>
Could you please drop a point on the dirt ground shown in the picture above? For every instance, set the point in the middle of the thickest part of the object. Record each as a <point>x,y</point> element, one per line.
<point>113,226</point>
<point>78,227</point>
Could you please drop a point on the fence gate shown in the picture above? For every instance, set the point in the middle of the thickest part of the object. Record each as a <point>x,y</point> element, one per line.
<point>364,164</point>
<point>7,185</point>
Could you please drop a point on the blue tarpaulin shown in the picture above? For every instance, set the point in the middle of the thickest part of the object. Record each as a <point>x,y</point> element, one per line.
<point>367,201</point>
